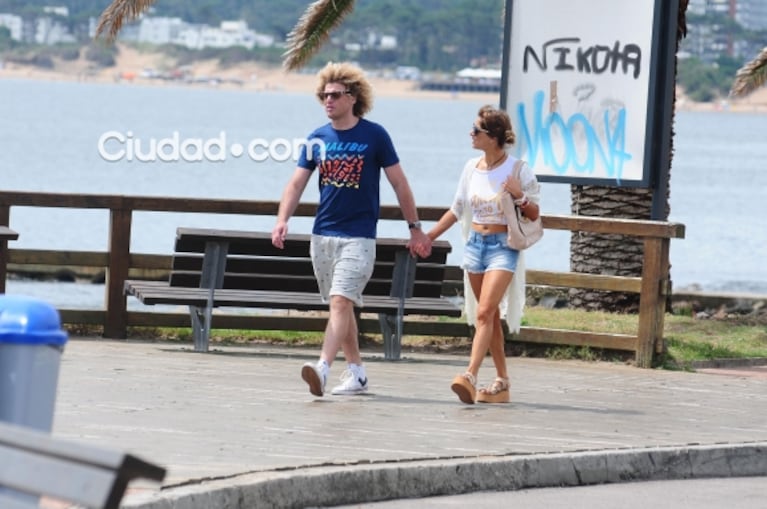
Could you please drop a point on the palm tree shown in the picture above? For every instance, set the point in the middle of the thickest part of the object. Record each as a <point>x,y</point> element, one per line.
<point>751,76</point>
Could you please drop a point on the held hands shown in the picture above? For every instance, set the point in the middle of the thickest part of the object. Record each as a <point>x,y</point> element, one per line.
<point>419,244</point>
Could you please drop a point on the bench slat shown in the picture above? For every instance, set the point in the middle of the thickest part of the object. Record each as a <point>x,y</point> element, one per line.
<point>295,266</point>
<point>289,283</point>
<point>42,475</point>
<point>192,240</point>
<point>155,292</point>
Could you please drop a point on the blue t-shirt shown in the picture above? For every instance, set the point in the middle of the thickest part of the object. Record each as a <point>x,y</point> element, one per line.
<point>350,176</point>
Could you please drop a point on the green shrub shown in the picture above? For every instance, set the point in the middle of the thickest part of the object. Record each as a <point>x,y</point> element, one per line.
<point>101,54</point>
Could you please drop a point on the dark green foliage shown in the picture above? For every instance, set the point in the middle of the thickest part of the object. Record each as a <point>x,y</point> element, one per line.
<point>226,56</point>
<point>65,51</point>
<point>101,54</point>
<point>42,60</point>
<point>703,82</point>
<point>5,39</point>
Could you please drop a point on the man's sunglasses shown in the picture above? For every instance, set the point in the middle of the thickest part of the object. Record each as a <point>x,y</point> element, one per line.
<point>476,130</point>
<point>334,95</point>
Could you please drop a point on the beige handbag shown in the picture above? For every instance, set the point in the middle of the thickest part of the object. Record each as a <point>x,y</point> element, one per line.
<point>522,232</point>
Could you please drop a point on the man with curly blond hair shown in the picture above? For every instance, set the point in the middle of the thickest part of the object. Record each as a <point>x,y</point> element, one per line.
<point>349,158</point>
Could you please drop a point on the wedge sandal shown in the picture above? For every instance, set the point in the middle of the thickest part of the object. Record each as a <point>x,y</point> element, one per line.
<point>496,392</point>
<point>465,386</point>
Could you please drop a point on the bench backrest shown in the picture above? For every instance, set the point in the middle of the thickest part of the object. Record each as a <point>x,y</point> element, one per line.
<point>253,263</point>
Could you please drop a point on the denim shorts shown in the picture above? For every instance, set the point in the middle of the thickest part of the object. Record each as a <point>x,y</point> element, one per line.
<point>342,265</point>
<point>488,252</point>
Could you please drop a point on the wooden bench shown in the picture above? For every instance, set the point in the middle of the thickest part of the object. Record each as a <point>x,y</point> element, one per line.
<point>217,268</point>
<point>34,464</point>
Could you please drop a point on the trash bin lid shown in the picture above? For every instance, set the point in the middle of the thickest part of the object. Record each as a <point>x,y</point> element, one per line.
<point>26,320</point>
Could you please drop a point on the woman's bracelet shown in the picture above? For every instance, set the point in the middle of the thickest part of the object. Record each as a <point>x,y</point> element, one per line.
<point>522,201</point>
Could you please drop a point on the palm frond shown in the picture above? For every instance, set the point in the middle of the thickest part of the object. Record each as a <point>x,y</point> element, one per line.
<point>313,29</point>
<point>751,76</point>
<point>111,20</point>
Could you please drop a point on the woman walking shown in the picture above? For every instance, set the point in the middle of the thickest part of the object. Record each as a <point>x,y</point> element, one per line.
<point>489,263</point>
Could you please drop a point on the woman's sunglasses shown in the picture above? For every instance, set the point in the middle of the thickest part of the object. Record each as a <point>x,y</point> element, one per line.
<point>476,130</point>
<point>334,95</point>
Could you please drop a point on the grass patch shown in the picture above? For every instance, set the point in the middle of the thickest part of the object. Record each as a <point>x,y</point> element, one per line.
<point>578,320</point>
<point>689,340</point>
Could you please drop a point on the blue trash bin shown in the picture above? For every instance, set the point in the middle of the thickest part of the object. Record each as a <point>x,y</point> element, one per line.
<point>31,344</point>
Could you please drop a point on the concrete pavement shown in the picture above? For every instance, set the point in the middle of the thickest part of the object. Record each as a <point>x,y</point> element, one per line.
<point>237,428</point>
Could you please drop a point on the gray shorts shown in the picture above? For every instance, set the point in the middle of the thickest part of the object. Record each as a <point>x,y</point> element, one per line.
<point>342,265</point>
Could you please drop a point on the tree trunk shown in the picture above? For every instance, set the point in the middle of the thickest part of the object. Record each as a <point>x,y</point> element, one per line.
<point>615,255</point>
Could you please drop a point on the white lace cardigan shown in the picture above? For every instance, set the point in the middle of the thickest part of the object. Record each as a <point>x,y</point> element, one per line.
<point>513,303</point>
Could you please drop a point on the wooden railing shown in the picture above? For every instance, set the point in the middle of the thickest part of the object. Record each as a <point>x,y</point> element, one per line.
<point>119,262</point>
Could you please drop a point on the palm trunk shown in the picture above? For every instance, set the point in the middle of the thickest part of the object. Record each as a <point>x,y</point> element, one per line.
<point>615,255</point>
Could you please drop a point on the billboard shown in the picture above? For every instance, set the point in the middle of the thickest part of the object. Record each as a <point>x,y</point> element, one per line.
<point>589,88</point>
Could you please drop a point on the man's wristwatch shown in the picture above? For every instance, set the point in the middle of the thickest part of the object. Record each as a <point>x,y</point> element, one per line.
<point>416,225</point>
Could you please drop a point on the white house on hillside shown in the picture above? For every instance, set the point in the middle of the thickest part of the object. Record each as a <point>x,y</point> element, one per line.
<point>51,31</point>
<point>58,10</point>
<point>13,23</point>
<point>160,30</point>
<point>226,35</point>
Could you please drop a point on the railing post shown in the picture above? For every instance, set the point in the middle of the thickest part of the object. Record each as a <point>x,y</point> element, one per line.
<point>116,323</point>
<point>5,216</point>
<point>652,299</point>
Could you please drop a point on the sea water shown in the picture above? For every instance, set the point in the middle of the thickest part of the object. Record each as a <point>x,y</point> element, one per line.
<point>51,134</point>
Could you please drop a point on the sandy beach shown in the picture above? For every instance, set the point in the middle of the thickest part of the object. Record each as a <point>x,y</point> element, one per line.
<point>134,67</point>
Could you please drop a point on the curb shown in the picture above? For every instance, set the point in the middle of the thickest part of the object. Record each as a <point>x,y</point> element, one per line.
<point>309,486</point>
<point>729,363</point>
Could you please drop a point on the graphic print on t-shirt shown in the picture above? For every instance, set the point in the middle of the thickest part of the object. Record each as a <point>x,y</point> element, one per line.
<point>486,210</point>
<point>342,170</point>
<point>484,197</point>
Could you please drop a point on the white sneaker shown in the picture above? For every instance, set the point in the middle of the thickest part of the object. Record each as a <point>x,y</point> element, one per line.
<point>312,375</point>
<point>351,384</point>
